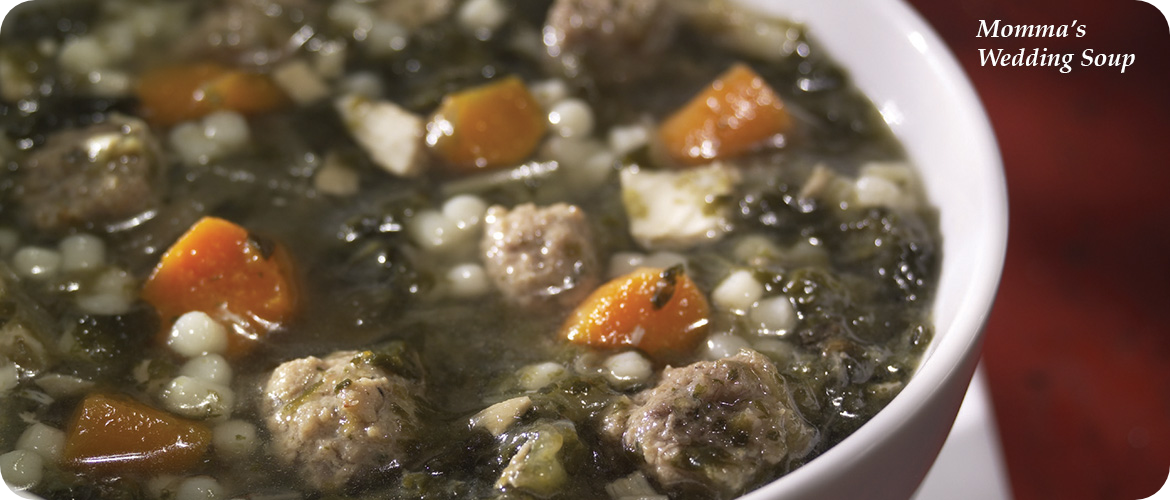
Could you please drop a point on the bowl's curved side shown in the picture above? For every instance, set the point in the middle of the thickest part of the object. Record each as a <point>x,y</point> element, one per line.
<point>923,94</point>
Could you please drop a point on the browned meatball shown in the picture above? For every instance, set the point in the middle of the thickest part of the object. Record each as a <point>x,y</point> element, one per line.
<point>717,423</point>
<point>540,255</point>
<point>615,41</point>
<point>337,416</point>
<point>91,176</point>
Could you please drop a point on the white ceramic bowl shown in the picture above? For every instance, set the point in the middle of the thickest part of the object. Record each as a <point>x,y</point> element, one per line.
<point>906,70</point>
<point>924,96</point>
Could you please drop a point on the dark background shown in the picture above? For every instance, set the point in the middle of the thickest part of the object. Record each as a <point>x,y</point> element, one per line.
<point>1078,345</point>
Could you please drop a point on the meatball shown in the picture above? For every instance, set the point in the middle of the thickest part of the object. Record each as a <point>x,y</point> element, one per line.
<point>716,423</point>
<point>100,174</point>
<point>540,255</point>
<point>615,41</point>
<point>337,416</point>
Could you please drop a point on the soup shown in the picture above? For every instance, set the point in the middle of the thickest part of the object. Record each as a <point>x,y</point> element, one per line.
<point>408,249</point>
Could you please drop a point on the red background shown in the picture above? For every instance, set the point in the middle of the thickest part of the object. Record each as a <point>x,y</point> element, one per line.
<point>1078,344</point>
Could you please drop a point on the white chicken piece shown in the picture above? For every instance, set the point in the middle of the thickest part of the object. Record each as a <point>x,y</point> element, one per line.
<point>392,136</point>
<point>677,209</point>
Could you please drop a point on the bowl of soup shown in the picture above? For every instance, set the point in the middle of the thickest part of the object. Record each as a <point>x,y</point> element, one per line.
<point>532,249</point>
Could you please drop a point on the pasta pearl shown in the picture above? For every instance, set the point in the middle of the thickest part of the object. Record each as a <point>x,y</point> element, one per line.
<point>234,438</point>
<point>468,280</point>
<point>571,118</point>
<point>197,398</point>
<point>549,92</point>
<point>737,292</point>
<point>199,488</point>
<point>724,345</point>
<point>482,16</point>
<point>465,210</point>
<point>43,440</point>
<point>228,130</point>
<point>626,139</point>
<point>82,252</point>
<point>628,369</point>
<point>36,262</point>
<point>210,367</point>
<point>432,230</point>
<point>195,333</point>
<point>534,377</point>
<point>104,304</point>
<point>22,469</point>
<point>775,315</point>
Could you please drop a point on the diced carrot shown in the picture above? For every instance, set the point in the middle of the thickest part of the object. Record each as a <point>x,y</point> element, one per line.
<point>115,434</point>
<point>661,312</point>
<point>493,125</point>
<point>735,114</point>
<point>218,268</point>
<point>178,93</point>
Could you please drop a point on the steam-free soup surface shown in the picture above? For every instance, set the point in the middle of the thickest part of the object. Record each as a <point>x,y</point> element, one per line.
<point>419,249</point>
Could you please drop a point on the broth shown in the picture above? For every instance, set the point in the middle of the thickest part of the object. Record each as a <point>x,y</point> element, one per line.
<point>469,275</point>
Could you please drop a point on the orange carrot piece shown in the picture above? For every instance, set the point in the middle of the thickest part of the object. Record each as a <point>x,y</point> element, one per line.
<point>114,434</point>
<point>493,125</point>
<point>735,114</point>
<point>661,312</point>
<point>178,93</point>
<point>221,270</point>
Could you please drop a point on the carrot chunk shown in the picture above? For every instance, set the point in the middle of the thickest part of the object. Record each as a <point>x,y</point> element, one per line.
<point>114,434</point>
<point>178,93</point>
<point>733,115</point>
<point>661,312</point>
<point>218,268</point>
<point>493,125</point>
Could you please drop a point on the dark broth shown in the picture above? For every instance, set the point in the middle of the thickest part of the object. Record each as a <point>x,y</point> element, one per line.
<point>862,300</point>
